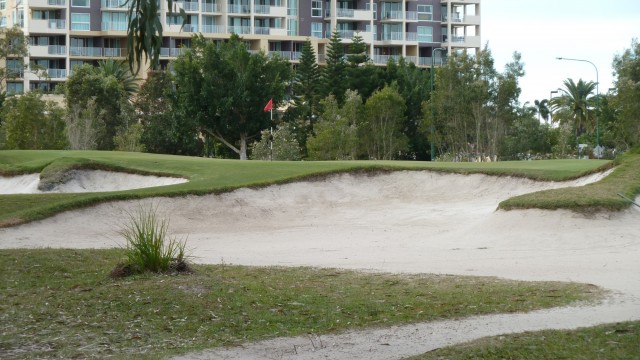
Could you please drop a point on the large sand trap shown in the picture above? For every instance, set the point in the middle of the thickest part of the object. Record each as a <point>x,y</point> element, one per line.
<point>85,181</point>
<point>418,222</point>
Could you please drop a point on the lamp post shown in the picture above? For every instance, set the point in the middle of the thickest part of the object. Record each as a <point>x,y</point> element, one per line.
<point>433,110</point>
<point>550,109</point>
<point>597,99</point>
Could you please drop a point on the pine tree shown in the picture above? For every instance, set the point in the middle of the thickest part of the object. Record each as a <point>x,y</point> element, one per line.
<point>333,76</point>
<point>307,85</point>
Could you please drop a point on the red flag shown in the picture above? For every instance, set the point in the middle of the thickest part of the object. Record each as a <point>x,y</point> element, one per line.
<point>269,105</point>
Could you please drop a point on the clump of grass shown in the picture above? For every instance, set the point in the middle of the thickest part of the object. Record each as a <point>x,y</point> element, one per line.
<point>149,247</point>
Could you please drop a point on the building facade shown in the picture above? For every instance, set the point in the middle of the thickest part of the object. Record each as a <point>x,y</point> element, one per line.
<point>66,33</point>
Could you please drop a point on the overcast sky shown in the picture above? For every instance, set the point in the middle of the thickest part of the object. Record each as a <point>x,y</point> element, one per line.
<point>542,30</point>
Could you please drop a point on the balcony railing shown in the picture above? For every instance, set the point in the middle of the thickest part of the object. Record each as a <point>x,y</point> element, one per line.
<point>262,9</point>
<point>190,5</point>
<point>85,51</point>
<point>392,36</point>
<point>57,2</point>
<point>172,52</point>
<point>213,29</point>
<point>210,8</point>
<point>114,26</point>
<point>239,30</point>
<point>190,28</point>
<point>114,52</point>
<point>57,24</point>
<point>57,73</point>
<point>261,30</point>
<point>57,50</point>
<point>114,4</point>
<point>392,15</point>
<point>239,9</point>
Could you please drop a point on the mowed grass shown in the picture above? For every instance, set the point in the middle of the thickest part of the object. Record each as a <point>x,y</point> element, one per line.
<point>215,175</point>
<point>604,342</point>
<point>62,304</point>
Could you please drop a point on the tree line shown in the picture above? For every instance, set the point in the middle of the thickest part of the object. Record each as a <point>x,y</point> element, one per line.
<point>210,103</point>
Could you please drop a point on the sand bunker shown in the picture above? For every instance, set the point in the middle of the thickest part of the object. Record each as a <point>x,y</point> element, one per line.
<point>85,181</point>
<point>417,222</point>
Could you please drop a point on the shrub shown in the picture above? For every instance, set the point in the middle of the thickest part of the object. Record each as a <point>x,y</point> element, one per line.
<point>148,245</point>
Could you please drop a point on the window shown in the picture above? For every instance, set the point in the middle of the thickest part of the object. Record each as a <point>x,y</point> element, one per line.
<point>3,4</point>
<point>80,22</point>
<point>115,21</point>
<point>15,88</point>
<point>292,27</point>
<point>425,34</point>
<point>316,30</point>
<point>80,3</point>
<point>3,21</point>
<point>292,8</point>
<point>316,8</point>
<point>425,12</point>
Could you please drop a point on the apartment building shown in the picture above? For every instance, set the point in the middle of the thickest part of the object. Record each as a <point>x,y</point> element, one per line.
<point>65,33</point>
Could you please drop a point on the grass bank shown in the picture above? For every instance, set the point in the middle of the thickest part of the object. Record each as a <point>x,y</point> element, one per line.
<point>62,304</point>
<point>215,176</point>
<point>611,341</point>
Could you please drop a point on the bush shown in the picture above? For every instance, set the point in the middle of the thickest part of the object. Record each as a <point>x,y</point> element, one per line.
<point>148,245</point>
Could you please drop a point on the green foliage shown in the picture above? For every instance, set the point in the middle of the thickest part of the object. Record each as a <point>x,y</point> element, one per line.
<point>224,88</point>
<point>381,132</point>
<point>32,123</point>
<point>128,138</point>
<point>165,130</point>
<point>119,71</point>
<point>88,83</point>
<point>306,85</point>
<point>144,32</point>
<point>148,246</point>
<point>626,131</point>
<point>281,145</point>
<point>336,134</point>
<point>575,106</point>
<point>83,126</point>
<point>15,46</point>
<point>527,139</point>
<point>334,70</point>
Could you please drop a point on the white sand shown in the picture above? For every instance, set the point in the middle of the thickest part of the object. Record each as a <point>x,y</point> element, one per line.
<point>417,222</point>
<point>85,181</point>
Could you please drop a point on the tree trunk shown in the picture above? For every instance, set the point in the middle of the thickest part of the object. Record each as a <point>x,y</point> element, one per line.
<point>243,146</point>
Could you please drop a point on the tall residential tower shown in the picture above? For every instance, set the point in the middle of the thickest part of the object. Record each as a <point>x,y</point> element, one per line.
<point>65,33</point>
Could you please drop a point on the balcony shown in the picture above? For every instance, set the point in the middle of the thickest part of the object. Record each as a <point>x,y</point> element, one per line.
<point>412,15</point>
<point>210,8</point>
<point>172,52</point>
<point>392,16</point>
<point>270,10</point>
<point>47,50</point>
<point>464,41</point>
<point>352,14</point>
<point>114,5</point>
<point>240,30</point>
<point>392,36</point>
<point>188,6</point>
<point>85,51</point>
<point>114,26</point>
<point>47,26</point>
<point>190,28</point>
<point>47,4</point>
<point>57,73</point>
<point>213,29</point>
<point>239,9</point>
<point>114,52</point>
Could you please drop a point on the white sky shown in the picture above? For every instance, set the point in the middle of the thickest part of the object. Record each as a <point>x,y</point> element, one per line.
<point>542,30</point>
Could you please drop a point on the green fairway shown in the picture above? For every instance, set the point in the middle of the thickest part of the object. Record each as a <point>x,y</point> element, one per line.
<point>215,175</point>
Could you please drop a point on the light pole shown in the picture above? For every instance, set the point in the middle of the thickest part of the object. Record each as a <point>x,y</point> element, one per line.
<point>597,99</point>
<point>550,108</point>
<point>433,109</point>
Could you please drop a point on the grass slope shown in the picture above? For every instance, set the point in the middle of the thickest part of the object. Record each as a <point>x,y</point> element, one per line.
<point>215,176</point>
<point>62,304</point>
<point>604,342</point>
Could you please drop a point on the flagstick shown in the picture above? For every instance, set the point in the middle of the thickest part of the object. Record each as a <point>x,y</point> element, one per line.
<point>271,135</point>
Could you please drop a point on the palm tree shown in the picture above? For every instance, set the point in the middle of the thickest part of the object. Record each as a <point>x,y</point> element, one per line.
<point>575,104</point>
<point>542,109</point>
<point>122,74</point>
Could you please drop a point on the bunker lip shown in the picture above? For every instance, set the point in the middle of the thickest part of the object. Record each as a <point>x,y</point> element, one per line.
<point>400,222</point>
<point>80,181</point>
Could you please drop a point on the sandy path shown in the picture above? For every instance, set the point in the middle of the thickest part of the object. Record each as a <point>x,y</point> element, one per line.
<point>417,222</point>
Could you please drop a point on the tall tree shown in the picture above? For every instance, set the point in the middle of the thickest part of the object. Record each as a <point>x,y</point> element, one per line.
<point>165,131</point>
<point>306,85</point>
<point>542,109</point>
<point>336,136</point>
<point>382,132</point>
<point>225,88</point>
<point>334,70</point>
<point>13,48</point>
<point>575,105</point>
<point>627,99</point>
